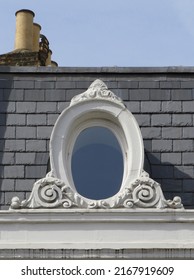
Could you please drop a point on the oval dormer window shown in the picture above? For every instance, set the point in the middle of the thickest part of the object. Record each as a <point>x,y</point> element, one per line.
<point>97,163</point>
<point>96,148</point>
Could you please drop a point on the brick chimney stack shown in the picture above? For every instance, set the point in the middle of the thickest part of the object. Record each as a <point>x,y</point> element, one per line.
<point>31,47</point>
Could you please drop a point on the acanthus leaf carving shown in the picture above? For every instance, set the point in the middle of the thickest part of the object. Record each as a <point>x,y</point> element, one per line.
<point>47,193</point>
<point>97,90</point>
<point>51,192</point>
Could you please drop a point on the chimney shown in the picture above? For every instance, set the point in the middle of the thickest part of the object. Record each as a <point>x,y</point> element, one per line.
<point>54,63</point>
<point>48,60</point>
<point>31,47</point>
<point>36,37</point>
<point>24,30</point>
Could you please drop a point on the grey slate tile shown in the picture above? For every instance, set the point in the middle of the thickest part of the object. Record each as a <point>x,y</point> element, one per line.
<point>150,106</point>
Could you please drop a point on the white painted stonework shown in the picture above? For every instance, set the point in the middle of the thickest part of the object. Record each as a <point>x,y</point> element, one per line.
<point>96,106</point>
<point>56,216</point>
<point>91,229</point>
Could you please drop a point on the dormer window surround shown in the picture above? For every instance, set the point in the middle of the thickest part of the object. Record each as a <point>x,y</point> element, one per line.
<point>97,157</point>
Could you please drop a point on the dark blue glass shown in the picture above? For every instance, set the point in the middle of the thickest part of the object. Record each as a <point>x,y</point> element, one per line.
<point>97,163</point>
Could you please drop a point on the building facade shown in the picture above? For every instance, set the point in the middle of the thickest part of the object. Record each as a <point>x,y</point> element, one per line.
<point>146,115</point>
<point>162,102</point>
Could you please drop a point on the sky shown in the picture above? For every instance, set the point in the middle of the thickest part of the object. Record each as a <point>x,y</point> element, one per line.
<point>128,33</point>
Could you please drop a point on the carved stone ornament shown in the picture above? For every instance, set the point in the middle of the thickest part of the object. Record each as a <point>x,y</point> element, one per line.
<point>100,106</point>
<point>51,192</point>
<point>97,90</point>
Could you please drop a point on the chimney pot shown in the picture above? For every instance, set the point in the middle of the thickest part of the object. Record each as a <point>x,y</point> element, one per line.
<point>54,63</point>
<point>48,60</point>
<point>36,36</point>
<point>24,30</point>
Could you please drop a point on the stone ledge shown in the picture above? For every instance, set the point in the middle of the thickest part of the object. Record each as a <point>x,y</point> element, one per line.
<point>93,229</point>
<point>89,70</point>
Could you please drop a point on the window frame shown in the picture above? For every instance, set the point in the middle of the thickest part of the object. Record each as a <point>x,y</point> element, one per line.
<point>102,112</point>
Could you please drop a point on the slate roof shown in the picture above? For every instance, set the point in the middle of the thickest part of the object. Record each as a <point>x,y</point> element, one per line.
<point>161,99</point>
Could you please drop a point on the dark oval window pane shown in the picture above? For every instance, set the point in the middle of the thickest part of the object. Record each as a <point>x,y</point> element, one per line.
<point>97,163</point>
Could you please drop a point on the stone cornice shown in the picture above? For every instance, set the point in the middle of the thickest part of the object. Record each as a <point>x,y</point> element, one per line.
<point>175,70</point>
<point>71,229</point>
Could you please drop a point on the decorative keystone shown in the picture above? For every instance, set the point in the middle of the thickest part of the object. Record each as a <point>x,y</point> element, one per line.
<point>97,90</point>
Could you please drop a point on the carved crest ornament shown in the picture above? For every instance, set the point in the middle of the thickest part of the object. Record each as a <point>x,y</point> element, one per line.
<point>55,191</point>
